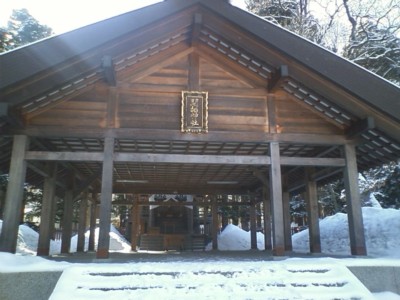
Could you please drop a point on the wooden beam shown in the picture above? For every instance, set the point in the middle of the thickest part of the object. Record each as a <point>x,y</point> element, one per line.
<point>275,178</point>
<point>83,206</point>
<point>312,161</point>
<point>354,212</point>
<point>67,220</point>
<point>272,114</point>
<point>194,72</point>
<point>135,217</point>
<point>108,70</point>
<point>159,61</point>
<point>127,87</point>
<point>261,176</point>
<point>192,159</point>
<point>112,108</point>
<point>85,184</point>
<point>278,78</point>
<point>46,220</point>
<point>312,211</point>
<point>9,116</point>
<point>176,135</point>
<point>255,160</point>
<point>253,226</point>
<point>93,217</point>
<point>215,223</point>
<point>360,127</point>
<point>286,215</point>
<point>41,170</point>
<point>64,156</point>
<point>14,195</point>
<point>267,218</point>
<point>235,69</point>
<point>105,200</point>
<point>197,24</point>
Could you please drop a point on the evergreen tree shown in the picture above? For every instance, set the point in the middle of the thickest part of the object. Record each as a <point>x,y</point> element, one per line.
<point>22,29</point>
<point>293,15</point>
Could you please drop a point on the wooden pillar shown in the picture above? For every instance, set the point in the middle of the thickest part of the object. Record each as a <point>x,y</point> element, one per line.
<point>67,221</point>
<point>275,178</point>
<point>93,216</point>
<point>53,215</point>
<point>14,195</point>
<point>190,213</point>
<point>82,222</point>
<point>267,220</point>
<point>135,215</point>
<point>215,225</point>
<point>46,216</point>
<point>2,200</point>
<point>354,212</point>
<point>105,199</point>
<point>253,226</point>
<point>206,230</point>
<point>312,212</point>
<point>287,219</point>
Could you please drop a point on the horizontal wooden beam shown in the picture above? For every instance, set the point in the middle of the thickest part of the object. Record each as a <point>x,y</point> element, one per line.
<point>176,135</point>
<point>313,161</point>
<point>255,160</point>
<point>64,156</point>
<point>192,159</point>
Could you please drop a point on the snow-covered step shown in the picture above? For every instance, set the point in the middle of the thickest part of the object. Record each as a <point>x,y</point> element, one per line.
<point>291,279</point>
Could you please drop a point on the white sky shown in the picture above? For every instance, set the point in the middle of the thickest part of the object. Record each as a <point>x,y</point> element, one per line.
<point>63,16</point>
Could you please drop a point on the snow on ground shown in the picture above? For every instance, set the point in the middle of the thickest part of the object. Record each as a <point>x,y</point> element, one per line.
<point>382,228</point>
<point>294,279</point>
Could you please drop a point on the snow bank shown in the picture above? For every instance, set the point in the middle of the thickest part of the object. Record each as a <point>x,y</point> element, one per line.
<point>382,233</point>
<point>28,241</point>
<point>117,242</point>
<point>233,238</point>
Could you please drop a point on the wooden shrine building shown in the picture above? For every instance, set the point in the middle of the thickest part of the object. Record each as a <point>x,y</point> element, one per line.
<point>193,97</point>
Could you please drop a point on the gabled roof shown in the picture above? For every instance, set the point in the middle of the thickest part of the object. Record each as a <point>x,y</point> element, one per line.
<point>18,65</point>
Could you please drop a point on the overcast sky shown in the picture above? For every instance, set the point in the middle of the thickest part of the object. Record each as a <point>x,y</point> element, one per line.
<point>63,16</point>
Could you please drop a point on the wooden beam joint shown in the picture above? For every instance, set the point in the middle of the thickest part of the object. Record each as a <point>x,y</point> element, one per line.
<point>360,127</point>
<point>108,70</point>
<point>278,78</point>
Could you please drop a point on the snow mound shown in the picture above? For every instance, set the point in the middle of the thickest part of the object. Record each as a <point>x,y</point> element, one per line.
<point>28,239</point>
<point>233,238</point>
<point>381,233</point>
<point>117,241</point>
<point>27,242</point>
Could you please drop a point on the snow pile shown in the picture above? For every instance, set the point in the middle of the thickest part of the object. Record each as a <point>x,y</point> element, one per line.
<point>28,239</point>
<point>27,242</point>
<point>233,238</point>
<point>117,242</point>
<point>381,233</point>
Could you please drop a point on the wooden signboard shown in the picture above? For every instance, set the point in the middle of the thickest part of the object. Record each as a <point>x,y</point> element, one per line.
<point>194,117</point>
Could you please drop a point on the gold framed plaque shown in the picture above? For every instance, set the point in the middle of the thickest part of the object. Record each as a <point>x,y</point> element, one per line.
<point>194,116</point>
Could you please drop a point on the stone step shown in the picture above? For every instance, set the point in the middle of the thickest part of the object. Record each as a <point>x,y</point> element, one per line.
<point>215,280</point>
